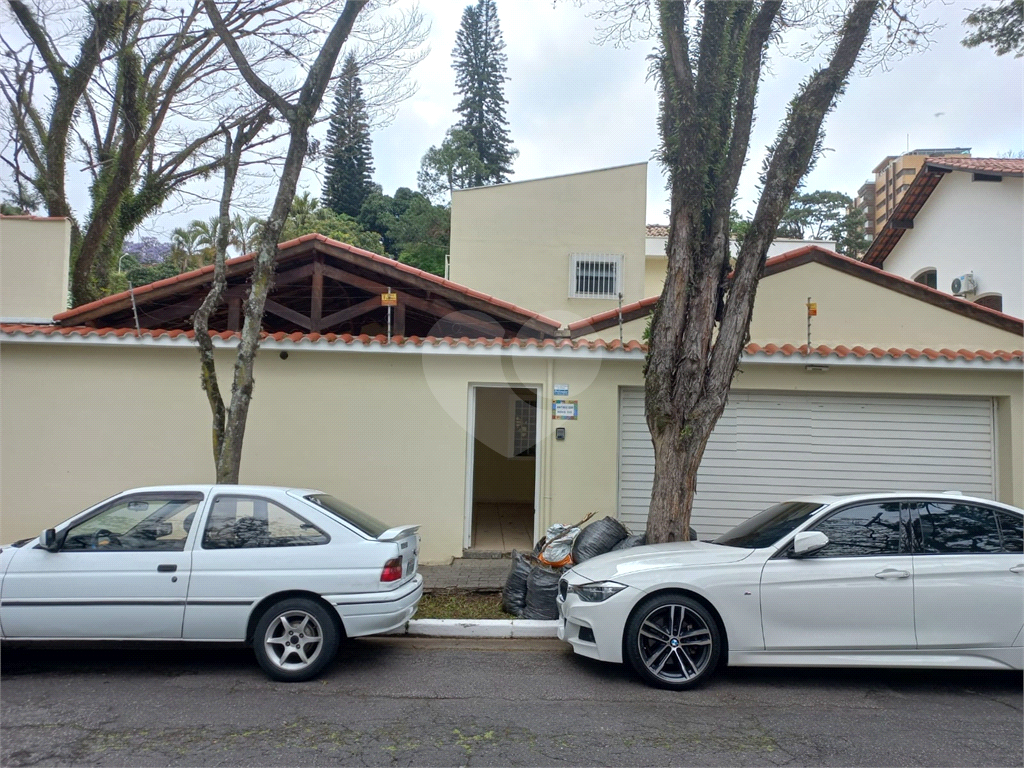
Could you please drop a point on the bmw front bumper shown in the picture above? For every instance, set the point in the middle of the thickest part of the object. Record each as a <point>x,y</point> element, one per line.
<point>594,629</point>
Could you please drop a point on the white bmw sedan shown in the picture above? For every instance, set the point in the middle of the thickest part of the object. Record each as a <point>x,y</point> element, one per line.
<point>289,571</point>
<point>901,580</point>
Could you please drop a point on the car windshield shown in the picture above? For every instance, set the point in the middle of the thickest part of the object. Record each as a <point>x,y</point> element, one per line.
<point>764,529</point>
<point>368,524</point>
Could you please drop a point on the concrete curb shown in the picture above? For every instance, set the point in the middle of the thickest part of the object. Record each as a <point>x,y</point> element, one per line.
<point>493,628</point>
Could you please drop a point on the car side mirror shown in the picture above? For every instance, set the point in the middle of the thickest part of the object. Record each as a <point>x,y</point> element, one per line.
<point>48,540</point>
<point>806,542</point>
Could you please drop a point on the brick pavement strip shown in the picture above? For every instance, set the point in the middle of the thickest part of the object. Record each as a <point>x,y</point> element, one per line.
<point>465,573</point>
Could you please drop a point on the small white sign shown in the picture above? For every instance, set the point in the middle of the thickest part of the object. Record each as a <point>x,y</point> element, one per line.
<point>561,390</point>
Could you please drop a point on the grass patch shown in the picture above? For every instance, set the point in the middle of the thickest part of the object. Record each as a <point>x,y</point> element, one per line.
<point>461,605</point>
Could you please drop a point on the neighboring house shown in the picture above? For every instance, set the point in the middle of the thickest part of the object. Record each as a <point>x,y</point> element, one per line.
<point>485,420</point>
<point>962,222</point>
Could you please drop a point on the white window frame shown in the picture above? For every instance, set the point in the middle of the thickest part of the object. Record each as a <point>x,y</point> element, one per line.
<point>513,404</point>
<point>608,258</point>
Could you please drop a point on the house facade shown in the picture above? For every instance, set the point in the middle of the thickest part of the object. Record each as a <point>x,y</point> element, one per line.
<point>486,419</point>
<point>962,219</point>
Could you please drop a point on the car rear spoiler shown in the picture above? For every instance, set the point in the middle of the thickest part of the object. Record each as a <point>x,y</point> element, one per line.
<point>398,532</point>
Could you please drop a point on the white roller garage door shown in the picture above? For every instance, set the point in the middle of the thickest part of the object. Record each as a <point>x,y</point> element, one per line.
<point>771,446</point>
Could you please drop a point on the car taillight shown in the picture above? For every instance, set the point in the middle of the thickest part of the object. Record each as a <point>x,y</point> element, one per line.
<point>392,570</point>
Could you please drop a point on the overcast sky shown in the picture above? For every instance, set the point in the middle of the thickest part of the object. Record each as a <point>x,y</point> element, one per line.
<point>575,106</point>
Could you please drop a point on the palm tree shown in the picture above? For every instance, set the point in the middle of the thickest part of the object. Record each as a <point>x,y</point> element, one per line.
<point>245,232</point>
<point>206,237</point>
<point>184,241</point>
<point>303,207</point>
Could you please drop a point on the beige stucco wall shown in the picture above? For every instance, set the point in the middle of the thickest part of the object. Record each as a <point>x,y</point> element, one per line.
<point>515,241</point>
<point>34,267</point>
<point>387,432</point>
<point>654,275</point>
<point>851,312</point>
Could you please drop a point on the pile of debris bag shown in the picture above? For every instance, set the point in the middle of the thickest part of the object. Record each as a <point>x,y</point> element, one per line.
<point>532,584</point>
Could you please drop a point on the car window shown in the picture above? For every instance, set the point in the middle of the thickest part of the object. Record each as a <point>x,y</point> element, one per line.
<point>145,522</point>
<point>951,528</point>
<point>765,528</point>
<point>863,531</point>
<point>1011,527</point>
<point>238,522</point>
<point>364,522</point>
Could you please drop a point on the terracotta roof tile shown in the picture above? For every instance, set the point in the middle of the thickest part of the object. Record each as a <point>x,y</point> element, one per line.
<point>1006,166</point>
<point>142,290</point>
<point>820,352</point>
<point>610,314</point>
<point>657,230</point>
<point>825,351</point>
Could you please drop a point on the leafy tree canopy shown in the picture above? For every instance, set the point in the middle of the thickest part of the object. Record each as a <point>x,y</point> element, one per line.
<point>308,217</point>
<point>1001,26</point>
<point>413,230</point>
<point>454,165</point>
<point>824,215</point>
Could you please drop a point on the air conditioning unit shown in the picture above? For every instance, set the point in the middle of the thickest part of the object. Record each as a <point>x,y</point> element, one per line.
<point>964,284</point>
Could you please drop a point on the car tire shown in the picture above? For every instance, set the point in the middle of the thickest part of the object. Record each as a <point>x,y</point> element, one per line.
<point>673,641</point>
<point>295,639</point>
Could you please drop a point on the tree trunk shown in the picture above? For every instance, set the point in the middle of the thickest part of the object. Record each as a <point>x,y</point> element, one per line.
<point>677,455</point>
<point>299,117</point>
<point>702,322</point>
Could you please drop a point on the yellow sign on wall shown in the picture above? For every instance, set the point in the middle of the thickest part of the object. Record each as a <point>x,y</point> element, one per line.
<point>389,299</point>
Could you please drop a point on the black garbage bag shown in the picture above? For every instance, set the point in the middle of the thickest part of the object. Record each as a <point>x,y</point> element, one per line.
<point>513,596</point>
<point>631,541</point>
<point>598,538</point>
<point>541,591</point>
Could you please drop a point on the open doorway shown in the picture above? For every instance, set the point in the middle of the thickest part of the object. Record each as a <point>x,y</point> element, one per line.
<point>504,469</point>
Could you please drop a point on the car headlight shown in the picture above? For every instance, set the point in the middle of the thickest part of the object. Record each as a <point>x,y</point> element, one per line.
<point>596,591</point>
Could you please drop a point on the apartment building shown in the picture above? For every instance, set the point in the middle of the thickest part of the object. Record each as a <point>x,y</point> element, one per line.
<point>878,199</point>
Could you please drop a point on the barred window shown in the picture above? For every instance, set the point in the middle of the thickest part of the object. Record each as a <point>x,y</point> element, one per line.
<point>595,276</point>
<point>524,435</point>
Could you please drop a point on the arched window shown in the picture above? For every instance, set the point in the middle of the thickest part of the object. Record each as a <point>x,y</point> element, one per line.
<point>991,300</point>
<point>929,277</point>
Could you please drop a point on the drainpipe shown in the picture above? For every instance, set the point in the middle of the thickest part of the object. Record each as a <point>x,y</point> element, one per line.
<point>546,516</point>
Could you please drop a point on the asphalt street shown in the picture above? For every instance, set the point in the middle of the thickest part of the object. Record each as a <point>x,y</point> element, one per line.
<point>430,702</point>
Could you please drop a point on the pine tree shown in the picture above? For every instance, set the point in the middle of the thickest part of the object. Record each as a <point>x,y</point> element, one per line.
<point>479,63</point>
<point>348,153</point>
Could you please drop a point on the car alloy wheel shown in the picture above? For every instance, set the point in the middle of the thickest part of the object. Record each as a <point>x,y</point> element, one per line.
<point>295,639</point>
<point>672,641</point>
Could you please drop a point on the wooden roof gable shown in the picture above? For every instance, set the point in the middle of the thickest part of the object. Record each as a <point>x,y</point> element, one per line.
<point>322,286</point>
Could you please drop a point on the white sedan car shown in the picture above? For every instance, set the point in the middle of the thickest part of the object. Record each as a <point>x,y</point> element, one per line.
<point>289,571</point>
<point>901,580</point>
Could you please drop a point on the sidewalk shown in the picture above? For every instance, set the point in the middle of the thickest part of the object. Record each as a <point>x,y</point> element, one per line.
<point>475,575</point>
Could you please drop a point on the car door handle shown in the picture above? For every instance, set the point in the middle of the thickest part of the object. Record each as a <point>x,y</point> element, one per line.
<point>1018,568</point>
<point>892,573</point>
<point>168,568</point>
